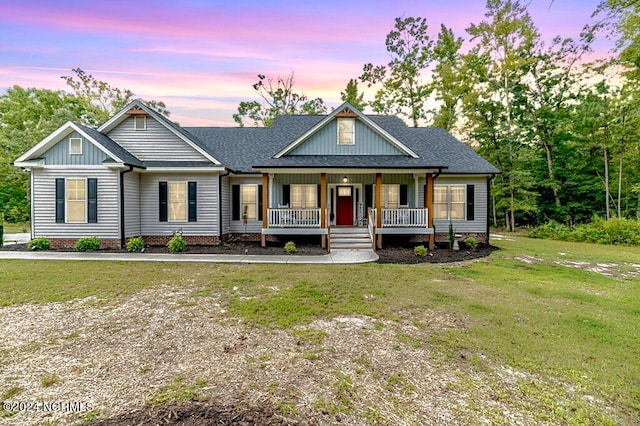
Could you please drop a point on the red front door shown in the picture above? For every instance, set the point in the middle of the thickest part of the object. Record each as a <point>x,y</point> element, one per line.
<point>344,206</point>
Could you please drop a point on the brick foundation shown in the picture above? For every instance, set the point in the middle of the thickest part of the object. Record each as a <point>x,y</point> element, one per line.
<point>191,240</point>
<point>443,237</point>
<point>70,243</point>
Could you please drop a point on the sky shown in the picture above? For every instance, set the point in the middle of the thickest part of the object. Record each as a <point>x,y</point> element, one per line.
<point>201,57</point>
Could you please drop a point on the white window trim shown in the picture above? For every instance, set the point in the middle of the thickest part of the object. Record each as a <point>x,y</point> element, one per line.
<point>135,122</point>
<point>256,186</point>
<point>464,203</point>
<point>71,146</point>
<point>304,192</point>
<point>186,201</point>
<point>353,138</point>
<point>66,201</point>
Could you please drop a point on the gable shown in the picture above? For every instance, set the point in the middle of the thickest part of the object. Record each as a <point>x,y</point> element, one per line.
<point>155,143</point>
<point>59,154</point>
<point>366,141</point>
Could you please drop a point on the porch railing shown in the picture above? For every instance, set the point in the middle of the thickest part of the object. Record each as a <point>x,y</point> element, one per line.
<point>293,218</point>
<point>405,217</point>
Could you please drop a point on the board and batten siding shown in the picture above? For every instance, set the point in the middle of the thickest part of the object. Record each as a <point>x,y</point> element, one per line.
<point>479,224</point>
<point>206,201</point>
<point>253,226</point>
<point>44,204</point>
<point>132,204</point>
<point>156,143</point>
<point>325,142</point>
<point>59,153</point>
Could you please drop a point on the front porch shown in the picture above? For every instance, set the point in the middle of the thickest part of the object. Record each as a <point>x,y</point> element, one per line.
<point>378,206</point>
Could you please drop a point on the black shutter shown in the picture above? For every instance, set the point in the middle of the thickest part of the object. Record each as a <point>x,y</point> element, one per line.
<point>404,195</point>
<point>92,199</point>
<point>318,201</point>
<point>286,195</point>
<point>162,199</point>
<point>368,196</point>
<point>260,201</point>
<point>60,200</point>
<point>235,202</point>
<point>470,202</point>
<point>193,206</point>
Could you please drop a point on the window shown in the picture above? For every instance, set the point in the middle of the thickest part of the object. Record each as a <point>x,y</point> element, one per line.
<point>304,196</point>
<point>177,201</point>
<point>139,122</point>
<point>390,196</point>
<point>346,131</point>
<point>76,200</point>
<point>449,201</point>
<point>75,146</point>
<point>249,201</point>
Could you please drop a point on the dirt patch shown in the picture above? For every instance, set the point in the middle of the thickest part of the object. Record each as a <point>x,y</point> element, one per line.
<point>406,255</point>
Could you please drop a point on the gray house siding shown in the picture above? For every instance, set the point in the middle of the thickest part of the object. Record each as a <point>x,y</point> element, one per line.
<point>479,224</point>
<point>253,226</point>
<point>156,143</point>
<point>226,205</point>
<point>132,204</point>
<point>44,203</point>
<point>207,205</point>
<point>325,142</point>
<point>59,153</point>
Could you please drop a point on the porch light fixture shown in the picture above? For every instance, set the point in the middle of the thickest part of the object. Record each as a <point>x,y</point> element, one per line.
<point>345,179</point>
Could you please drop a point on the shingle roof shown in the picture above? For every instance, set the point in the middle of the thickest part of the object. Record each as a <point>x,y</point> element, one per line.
<point>111,146</point>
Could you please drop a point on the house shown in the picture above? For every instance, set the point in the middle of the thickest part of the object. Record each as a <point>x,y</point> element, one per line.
<point>141,174</point>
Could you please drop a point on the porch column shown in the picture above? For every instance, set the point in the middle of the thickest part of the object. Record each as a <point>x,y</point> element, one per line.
<point>379,206</point>
<point>265,206</point>
<point>323,206</point>
<point>428,203</point>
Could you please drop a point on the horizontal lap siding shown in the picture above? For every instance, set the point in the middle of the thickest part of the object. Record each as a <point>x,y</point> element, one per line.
<point>44,199</point>
<point>237,226</point>
<point>132,204</point>
<point>207,205</point>
<point>226,205</point>
<point>157,143</point>
<point>479,224</point>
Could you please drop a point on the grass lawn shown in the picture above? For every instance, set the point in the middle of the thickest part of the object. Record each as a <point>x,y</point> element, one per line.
<point>532,307</point>
<point>17,228</point>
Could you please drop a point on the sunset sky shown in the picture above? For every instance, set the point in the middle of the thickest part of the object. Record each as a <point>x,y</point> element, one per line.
<point>201,57</point>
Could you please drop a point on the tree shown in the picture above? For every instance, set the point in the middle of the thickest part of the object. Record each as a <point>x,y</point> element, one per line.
<point>622,18</point>
<point>403,89</point>
<point>99,100</point>
<point>352,96</point>
<point>277,98</point>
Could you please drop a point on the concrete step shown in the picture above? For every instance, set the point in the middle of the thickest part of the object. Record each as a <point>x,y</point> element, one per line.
<point>345,240</point>
<point>351,246</point>
<point>350,239</point>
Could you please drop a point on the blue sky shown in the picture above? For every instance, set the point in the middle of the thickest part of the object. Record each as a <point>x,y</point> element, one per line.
<point>201,57</point>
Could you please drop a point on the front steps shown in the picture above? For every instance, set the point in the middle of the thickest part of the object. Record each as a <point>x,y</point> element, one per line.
<point>350,238</point>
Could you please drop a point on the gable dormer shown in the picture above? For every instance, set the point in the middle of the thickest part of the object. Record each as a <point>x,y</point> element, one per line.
<point>346,131</point>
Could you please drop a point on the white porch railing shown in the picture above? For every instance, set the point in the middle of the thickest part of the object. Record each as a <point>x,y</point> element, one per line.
<point>293,218</point>
<point>405,217</point>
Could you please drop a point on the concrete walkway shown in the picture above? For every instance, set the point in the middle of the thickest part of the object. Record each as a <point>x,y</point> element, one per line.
<point>336,256</point>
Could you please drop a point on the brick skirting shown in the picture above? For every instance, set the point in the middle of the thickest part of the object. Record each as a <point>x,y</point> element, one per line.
<point>191,240</point>
<point>69,243</point>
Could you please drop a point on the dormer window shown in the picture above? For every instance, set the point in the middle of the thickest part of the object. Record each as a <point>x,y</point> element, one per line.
<point>75,146</point>
<point>139,122</point>
<point>346,131</point>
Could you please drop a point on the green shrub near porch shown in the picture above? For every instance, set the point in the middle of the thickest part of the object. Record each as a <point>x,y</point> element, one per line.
<point>88,244</point>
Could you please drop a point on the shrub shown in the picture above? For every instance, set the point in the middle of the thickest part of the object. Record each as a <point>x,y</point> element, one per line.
<point>176,243</point>
<point>39,244</point>
<point>1,229</point>
<point>135,244</point>
<point>88,244</point>
<point>290,247</point>
<point>420,251</point>
<point>600,231</point>
<point>452,235</point>
<point>471,242</point>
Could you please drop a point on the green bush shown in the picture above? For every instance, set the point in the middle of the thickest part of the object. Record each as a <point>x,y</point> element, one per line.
<point>452,235</point>
<point>1,229</point>
<point>290,247</point>
<point>135,244</point>
<point>600,231</point>
<point>420,251</point>
<point>39,244</point>
<point>176,243</point>
<point>471,243</point>
<point>88,244</point>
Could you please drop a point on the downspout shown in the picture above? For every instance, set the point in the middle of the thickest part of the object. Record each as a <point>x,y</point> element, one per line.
<point>227,173</point>
<point>123,238</point>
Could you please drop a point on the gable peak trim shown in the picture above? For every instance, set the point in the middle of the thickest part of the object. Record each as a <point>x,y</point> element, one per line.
<point>136,110</point>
